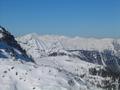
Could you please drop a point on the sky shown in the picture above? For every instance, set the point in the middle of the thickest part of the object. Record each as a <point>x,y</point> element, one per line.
<point>84,18</point>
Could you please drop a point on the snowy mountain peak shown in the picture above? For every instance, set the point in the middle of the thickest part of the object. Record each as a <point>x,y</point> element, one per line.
<point>75,42</point>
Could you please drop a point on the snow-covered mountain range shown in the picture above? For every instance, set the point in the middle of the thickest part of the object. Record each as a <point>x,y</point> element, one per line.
<point>49,62</point>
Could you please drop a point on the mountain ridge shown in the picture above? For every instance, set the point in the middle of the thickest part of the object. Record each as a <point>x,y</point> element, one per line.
<point>59,63</point>
<point>10,46</point>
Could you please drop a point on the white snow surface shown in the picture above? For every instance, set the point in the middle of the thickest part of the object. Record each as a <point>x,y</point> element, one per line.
<point>77,43</point>
<point>37,45</point>
<point>1,35</point>
<point>52,73</point>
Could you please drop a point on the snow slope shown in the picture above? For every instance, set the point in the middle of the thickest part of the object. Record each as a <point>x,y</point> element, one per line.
<point>75,55</point>
<point>50,74</point>
<point>87,49</point>
<point>60,63</point>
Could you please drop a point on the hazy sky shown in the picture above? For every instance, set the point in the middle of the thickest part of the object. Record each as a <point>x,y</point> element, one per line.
<point>85,18</point>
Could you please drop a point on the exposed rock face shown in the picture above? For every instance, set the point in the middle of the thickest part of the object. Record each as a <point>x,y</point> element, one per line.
<point>9,45</point>
<point>10,40</point>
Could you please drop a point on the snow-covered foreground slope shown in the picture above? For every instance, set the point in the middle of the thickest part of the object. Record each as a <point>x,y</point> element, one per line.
<point>60,73</point>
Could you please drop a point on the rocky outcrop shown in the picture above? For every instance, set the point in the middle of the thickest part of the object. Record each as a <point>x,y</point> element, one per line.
<point>9,45</point>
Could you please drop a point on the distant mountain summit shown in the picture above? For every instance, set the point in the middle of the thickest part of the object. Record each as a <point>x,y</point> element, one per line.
<point>105,52</point>
<point>9,48</point>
